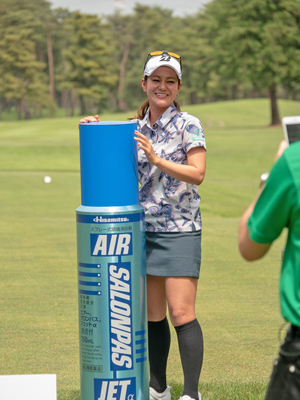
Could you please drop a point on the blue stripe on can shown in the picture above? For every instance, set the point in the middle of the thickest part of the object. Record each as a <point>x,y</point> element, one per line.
<point>90,274</point>
<point>85,283</point>
<point>84,265</point>
<point>139,360</point>
<point>143,350</point>
<point>141,341</point>
<point>140,333</point>
<point>89,292</point>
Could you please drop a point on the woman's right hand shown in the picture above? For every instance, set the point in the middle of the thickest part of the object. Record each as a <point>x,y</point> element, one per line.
<point>90,118</point>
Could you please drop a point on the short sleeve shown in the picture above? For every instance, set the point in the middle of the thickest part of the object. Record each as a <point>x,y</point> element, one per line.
<point>273,208</point>
<point>193,135</point>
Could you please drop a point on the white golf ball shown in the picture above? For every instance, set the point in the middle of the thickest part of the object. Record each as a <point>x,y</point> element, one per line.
<point>47,179</point>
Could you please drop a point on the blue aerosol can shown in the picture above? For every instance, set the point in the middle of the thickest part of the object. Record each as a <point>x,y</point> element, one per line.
<point>111,266</point>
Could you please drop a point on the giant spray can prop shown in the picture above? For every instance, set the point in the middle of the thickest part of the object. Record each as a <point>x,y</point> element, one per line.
<point>111,266</point>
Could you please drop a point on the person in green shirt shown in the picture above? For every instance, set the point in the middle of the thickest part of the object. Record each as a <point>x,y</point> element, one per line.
<point>275,207</point>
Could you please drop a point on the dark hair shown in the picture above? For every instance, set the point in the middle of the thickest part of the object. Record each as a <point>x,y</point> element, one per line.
<point>141,112</point>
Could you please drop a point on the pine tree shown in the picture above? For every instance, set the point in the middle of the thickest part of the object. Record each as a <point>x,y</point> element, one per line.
<point>88,67</point>
<point>21,73</point>
<point>256,41</point>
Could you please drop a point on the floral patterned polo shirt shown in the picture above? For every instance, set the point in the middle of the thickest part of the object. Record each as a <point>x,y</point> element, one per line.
<point>170,205</point>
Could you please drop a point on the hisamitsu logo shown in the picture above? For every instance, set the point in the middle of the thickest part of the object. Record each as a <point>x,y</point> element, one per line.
<point>110,219</point>
<point>111,244</point>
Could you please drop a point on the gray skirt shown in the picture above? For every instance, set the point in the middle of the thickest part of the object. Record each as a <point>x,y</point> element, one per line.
<point>173,253</point>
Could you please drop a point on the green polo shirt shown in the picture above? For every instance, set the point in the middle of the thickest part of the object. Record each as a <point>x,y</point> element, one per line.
<point>278,207</point>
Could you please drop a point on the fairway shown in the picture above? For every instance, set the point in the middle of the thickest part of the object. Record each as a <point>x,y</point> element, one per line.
<point>237,302</point>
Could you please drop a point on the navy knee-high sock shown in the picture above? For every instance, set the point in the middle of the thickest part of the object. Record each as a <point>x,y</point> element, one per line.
<point>159,345</point>
<point>190,342</point>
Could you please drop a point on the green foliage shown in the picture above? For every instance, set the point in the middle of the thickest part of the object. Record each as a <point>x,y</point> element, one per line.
<point>88,53</point>
<point>21,78</point>
<point>256,41</point>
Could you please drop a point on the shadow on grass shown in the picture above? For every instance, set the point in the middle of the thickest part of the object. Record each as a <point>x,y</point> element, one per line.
<point>226,390</point>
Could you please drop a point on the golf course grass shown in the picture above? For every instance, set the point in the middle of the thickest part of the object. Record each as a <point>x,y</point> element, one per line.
<point>237,302</point>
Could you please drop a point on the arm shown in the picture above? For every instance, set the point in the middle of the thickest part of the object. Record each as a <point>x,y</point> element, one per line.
<point>193,172</point>
<point>249,249</point>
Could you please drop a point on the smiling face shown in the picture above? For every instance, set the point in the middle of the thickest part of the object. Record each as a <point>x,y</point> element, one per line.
<point>161,88</point>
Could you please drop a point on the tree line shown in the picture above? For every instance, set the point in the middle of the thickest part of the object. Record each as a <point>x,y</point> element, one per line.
<point>230,49</point>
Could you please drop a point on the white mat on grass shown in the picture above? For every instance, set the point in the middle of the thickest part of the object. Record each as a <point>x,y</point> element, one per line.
<point>28,387</point>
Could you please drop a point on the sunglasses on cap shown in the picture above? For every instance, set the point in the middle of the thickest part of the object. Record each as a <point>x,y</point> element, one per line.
<point>163,53</point>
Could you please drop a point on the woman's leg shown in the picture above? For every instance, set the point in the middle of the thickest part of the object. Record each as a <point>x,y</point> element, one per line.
<point>158,332</point>
<point>181,296</point>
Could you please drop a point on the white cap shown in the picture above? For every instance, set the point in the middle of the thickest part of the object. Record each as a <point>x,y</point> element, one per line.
<point>162,61</point>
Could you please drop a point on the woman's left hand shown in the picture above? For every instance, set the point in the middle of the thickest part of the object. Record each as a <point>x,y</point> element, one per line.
<point>90,118</point>
<point>144,144</point>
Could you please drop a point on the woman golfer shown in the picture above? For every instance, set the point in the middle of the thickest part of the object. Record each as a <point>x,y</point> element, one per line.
<point>171,161</point>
